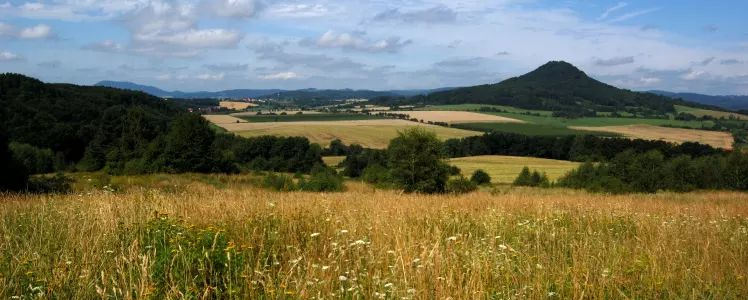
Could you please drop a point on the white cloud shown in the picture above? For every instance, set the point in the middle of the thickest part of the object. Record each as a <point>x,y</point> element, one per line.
<point>280,76</point>
<point>37,32</point>
<point>9,56</point>
<point>235,8</point>
<point>615,61</point>
<point>40,31</point>
<point>287,10</point>
<point>693,75</point>
<point>208,76</point>
<point>192,38</point>
<point>106,46</point>
<point>650,80</point>
<point>634,14</point>
<point>357,41</point>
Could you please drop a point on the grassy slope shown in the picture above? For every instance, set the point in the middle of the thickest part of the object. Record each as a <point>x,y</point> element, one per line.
<point>524,243</point>
<point>504,169</point>
<point>705,112</point>
<point>476,107</point>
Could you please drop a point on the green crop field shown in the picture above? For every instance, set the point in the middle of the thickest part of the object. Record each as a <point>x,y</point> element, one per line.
<point>504,169</point>
<point>476,107</point>
<point>310,117</point>
<point>529,129</point>
<point>712,113</point>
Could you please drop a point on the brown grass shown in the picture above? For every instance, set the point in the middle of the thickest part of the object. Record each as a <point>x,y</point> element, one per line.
<point>367,244</point>
<point>717,139</point>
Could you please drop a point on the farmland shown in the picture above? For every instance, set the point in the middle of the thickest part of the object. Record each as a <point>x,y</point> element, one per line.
<point>220,237</point>
<point>454,117</point>
<point>367,133</point>
<point>316,117</point>
<point>236,105</point>
<point>504,169</point>
<point>716,139</point>
<point>698,112</point>
<point>529,129</point>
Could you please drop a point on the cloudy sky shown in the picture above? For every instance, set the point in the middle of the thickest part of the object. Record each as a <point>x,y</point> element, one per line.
<point>688,45</point>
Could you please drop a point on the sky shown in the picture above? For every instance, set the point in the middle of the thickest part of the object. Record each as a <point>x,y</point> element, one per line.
<point>682,46</point>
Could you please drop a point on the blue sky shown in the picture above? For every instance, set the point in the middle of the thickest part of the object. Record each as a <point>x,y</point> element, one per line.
<point>696,46</point>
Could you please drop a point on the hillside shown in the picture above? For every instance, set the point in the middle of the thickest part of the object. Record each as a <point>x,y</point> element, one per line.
<point>560,87</point>
<point>66,118</point>
<point>726,102</point>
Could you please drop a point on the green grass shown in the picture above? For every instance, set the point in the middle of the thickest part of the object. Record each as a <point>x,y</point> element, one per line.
<point>698,112</point>
<point>529,129</point>
<point>605,121</point>
<point>476,107</point>
<point>311,117</point>
<point>504,169</point>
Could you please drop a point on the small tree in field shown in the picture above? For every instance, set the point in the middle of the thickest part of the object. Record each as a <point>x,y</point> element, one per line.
<point>416,161</point>
<point>480,177</point>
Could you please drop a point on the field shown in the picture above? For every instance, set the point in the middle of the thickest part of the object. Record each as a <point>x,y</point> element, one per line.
<point>333,161</point>
<point>236,105</point>
<point>504,169</point>
<point>712,113</point>
<point>528,129</point>
<point>222,120</point>
<point>219,237</point>
<point>310,117</point>
<point>476,107</point>
<point>277,112</point>
<point>367,133</point>
<point>453,117</point>
<point>716,139</point>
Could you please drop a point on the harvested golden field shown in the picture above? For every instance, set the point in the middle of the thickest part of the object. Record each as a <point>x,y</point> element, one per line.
<point>236,105</point>
<point>454,117</point>
<point>367,133</point>
<point>504,169</point>
<point>222,120</point>
<point>717,139</point>
<point>198,241</point>
<point>333,161</point>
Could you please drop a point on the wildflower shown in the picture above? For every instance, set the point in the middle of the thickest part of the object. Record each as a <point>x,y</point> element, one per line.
<point>344,231</point>
<point>389,285</point>
<point>411,291</point>
<point>316,234</point>
<point>452,238</point>
<point>503,247</point>
<point>342,278</point>
<point>551,294</point>
<point>109,251</point>
<point>390,252</point>
<point>358,243</point>
<point>325,267</point>
<point>606,272</point>
<point>538,266</point>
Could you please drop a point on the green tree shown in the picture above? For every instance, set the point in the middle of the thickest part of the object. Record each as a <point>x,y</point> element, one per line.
<point>189,145</point>
<point>480,177</point>
<point>13,174</point>
<point>416,161</point>
<point>524,178</point>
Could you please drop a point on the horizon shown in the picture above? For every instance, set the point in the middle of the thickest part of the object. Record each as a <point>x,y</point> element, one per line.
<point>375,45</point>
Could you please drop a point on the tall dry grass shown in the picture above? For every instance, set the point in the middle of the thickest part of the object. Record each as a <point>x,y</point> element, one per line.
<point>243,242</point>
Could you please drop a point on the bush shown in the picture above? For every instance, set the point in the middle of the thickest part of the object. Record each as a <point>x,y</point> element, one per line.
<point>36,160</point>
<point>460,185</point>
<point>480,177</point>
<point>376,174</point>
<point>535,178</point>
<point>454,171</point>
<point>279,182</point>
<point>322,179</point>
<point>58,183</point>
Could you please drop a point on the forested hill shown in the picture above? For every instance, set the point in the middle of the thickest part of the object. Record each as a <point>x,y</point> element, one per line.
<point>66,118</point>
<point>561,87</point>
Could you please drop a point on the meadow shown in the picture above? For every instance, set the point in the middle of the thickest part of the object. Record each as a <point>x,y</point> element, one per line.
<point>717,139</point>
<point>504,169</point>
<point>202,236</point>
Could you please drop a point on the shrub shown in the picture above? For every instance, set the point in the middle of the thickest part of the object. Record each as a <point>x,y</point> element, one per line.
<point>535,178</point>
<point>58,184</point>
<point>460,185</point>
<point>36,160</point>
<point>322,179</point>
<point>376,174</point>
<point>454,171</point>
<point>279,182</point>
<point>480,177</point>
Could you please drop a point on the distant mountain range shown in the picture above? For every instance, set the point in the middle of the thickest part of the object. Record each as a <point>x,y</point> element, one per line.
<point>728,102</point>
<point>302,94</point>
